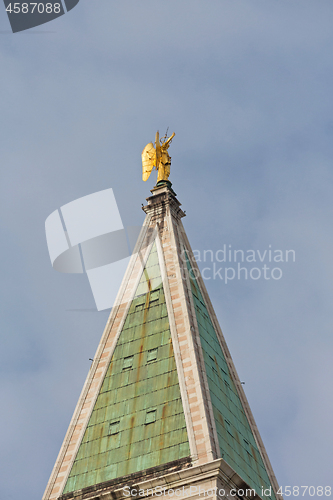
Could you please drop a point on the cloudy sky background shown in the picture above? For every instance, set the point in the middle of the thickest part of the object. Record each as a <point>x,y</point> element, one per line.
<point>247,87</point>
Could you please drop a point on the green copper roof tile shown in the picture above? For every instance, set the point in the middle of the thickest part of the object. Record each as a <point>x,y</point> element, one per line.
<point>144,397</point>
<point>237,443</point>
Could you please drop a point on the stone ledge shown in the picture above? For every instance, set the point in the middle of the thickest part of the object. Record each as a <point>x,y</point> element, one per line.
<point>98,491</point>
<point>178,475</point>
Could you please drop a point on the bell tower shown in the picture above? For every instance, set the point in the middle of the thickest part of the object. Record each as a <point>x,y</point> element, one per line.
<point>162,411</point>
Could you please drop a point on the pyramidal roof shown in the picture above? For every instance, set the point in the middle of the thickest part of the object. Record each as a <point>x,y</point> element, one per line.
<point>162,394</point>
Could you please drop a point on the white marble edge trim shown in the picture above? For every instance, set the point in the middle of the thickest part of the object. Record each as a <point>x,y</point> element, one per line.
<point>174,337</point>
<point>189,317</point>
<point>185,243</point>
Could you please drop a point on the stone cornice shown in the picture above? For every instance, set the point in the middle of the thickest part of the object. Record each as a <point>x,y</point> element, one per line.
<point>178,475</point>
<point>162,200</point>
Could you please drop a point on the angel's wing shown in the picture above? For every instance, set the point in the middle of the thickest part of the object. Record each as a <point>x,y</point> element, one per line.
<point>148,160</point>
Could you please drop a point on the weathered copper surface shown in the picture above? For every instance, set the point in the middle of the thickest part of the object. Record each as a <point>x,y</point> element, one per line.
<point>138,420</point>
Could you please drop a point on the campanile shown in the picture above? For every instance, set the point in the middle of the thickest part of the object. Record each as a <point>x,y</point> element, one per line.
<point>162,411</point>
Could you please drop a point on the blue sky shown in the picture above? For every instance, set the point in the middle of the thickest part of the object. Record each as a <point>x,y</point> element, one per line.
<point>247,87</point>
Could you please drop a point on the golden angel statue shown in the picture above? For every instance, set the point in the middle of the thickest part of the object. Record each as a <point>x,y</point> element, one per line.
<point>157,157</point>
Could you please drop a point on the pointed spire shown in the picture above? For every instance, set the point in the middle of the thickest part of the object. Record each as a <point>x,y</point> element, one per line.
<point>162,393</point>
